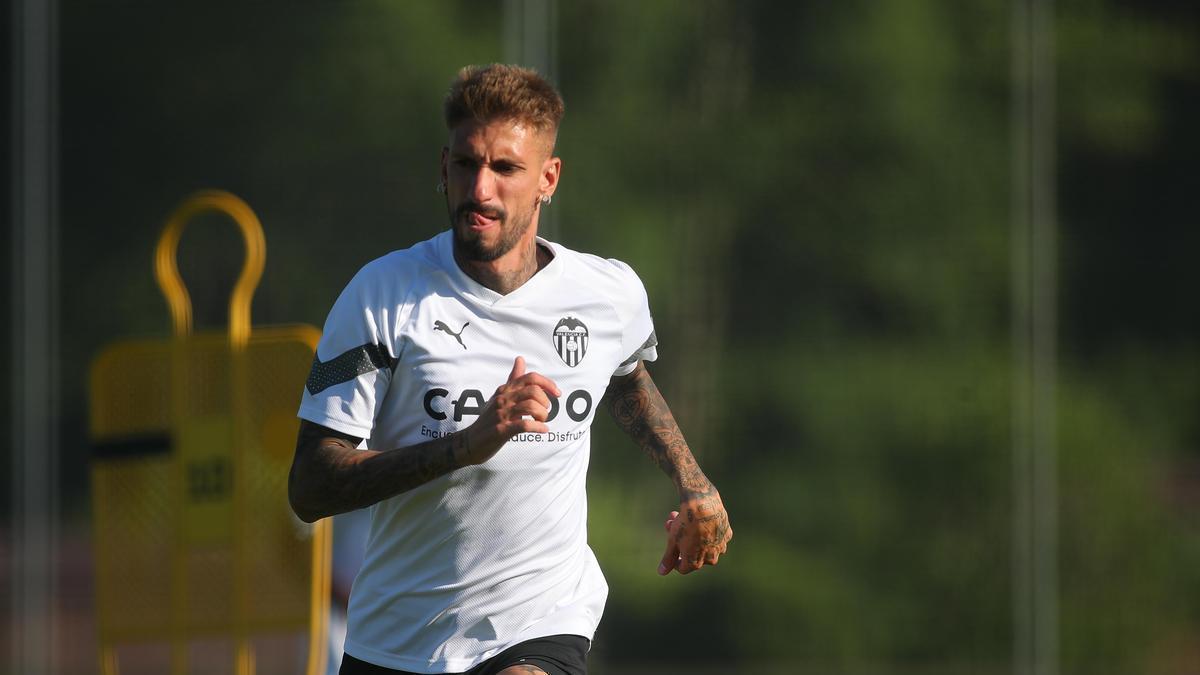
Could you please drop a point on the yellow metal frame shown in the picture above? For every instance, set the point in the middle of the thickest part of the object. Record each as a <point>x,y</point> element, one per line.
<point>179,302</point>
<point>166,271</point>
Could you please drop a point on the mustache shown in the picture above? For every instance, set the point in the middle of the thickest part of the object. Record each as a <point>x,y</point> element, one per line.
<point>470,206</point>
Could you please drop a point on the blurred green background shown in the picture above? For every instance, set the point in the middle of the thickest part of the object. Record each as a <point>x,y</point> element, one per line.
<point>829,206</point>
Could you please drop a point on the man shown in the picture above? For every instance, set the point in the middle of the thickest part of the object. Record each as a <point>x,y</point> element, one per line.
<point>477,557</point>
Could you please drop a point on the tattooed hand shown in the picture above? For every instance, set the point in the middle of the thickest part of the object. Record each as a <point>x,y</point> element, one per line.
<point>697,535</point>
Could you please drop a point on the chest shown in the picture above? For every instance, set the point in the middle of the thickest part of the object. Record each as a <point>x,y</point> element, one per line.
<point>455,353</point>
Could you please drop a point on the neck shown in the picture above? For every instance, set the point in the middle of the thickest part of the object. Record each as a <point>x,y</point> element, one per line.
<point>508,272</point>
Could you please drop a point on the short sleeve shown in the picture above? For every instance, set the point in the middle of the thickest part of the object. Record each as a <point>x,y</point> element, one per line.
<point>638,341</point>
<point>355,358</point>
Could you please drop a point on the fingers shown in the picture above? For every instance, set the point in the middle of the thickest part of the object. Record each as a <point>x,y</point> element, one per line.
<point>690,546</point>
<point>522,426</point>
<point>534,394</point>
<point>670,559</point>
<point>524,415</point>
<point>522,404</point>
<point>539,380</point>
<point>683,559</point>
<point>531,401</point>
<point>689,562</point>
<point>518,368</point>
<point>686,563</point>
<point>514,404</point>
<point>670,519</point>
<point>518,377</point>
<point>524,394</point>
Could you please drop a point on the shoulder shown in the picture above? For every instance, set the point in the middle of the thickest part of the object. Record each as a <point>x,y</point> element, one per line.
<point>614,281</point>
<point>380,295</point>
<point>601,273</point>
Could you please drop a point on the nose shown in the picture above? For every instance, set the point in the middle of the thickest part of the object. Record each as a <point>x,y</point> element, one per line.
<point>483,185</point>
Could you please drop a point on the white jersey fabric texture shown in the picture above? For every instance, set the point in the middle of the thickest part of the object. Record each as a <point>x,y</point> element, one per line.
<point>462,567</point>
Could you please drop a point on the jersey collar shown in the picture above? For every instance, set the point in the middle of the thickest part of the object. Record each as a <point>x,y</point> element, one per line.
<point>542,280</point>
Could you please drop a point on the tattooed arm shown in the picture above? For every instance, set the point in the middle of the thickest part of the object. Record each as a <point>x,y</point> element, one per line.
<point>330,475</point>
<point>700,532</point>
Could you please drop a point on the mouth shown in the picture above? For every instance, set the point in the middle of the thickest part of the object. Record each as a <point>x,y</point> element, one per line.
<point>477,221</point>
<point>476,217</point>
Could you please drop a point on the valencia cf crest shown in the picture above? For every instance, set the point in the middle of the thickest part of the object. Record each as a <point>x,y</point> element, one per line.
<point>570,340</point>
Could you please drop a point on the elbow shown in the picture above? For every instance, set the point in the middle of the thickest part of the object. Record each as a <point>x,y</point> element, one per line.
<point>305,514</point>
<point>297,499</point>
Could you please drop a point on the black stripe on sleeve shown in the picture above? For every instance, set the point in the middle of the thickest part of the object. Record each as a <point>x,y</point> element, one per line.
<point>651,341</point>
<point>347,366</point>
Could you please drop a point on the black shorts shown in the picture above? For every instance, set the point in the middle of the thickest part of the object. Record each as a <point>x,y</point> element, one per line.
<point>557,655</point>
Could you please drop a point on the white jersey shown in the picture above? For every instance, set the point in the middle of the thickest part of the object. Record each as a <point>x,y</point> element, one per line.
<point>468,564</point>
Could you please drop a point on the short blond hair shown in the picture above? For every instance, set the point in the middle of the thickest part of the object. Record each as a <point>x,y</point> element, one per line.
<point>503,92</point>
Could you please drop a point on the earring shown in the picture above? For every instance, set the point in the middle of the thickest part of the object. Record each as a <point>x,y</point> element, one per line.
<point>441,187</point>
<point>545,199</point>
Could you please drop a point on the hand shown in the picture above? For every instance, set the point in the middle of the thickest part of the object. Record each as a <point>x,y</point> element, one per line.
<point>698,537</point>
<point>520,405</point>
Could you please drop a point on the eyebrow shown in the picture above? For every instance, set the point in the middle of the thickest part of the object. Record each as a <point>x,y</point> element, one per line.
<point>503,159</point>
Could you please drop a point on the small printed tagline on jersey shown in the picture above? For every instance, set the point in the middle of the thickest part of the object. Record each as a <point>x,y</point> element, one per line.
<point>551,437</point>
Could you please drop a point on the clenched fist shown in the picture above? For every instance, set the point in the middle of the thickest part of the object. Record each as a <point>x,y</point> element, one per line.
<point>520,405</point>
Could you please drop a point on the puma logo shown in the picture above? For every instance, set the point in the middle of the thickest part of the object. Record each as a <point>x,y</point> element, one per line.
<point>440,325</point>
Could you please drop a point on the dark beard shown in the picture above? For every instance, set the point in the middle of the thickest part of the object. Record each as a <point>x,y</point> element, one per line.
<point>474,249</point>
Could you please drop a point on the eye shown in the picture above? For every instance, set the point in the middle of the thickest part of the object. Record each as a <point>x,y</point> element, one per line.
<point>463,162</point>
<point>505,168</point>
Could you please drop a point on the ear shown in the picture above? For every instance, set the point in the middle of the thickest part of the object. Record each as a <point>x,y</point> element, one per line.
<point>445,158</point>
<point>548,181</point>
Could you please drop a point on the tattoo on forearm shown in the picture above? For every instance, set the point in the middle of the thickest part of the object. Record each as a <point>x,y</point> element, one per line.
<point>338,477</point>
<point>639,409</point>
